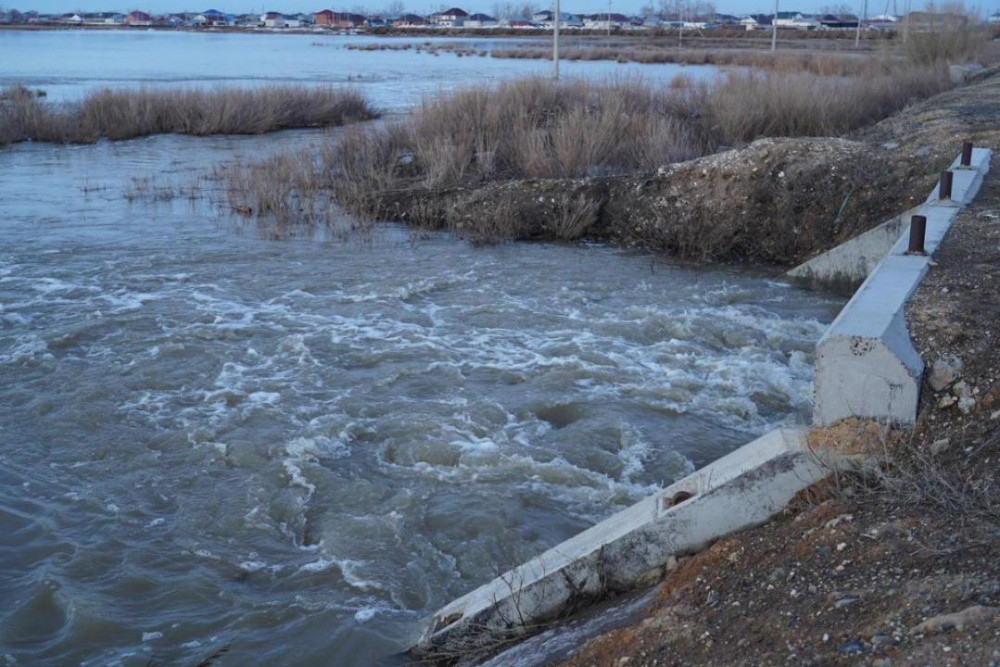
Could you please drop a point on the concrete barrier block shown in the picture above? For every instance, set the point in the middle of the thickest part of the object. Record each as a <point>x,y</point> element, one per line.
<point>866,365</point>
<point>740,490</point>
<point>844,268</point>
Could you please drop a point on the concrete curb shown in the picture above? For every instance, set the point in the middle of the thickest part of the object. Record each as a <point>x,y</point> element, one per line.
<point>632,548</point>
<point>844,268</point>
<point>866,365</point>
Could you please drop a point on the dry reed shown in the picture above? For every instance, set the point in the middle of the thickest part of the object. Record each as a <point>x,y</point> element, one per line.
<point>814,63</point>
<point>130,113</point>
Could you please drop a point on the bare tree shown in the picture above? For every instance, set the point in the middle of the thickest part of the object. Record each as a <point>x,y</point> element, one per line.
<point>503,10</point>
<point>395,8</point>
<point>837,10</point>
<point>527,10</point>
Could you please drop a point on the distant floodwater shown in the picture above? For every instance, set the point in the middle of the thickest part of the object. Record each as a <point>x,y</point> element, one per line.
<point>66,63</point>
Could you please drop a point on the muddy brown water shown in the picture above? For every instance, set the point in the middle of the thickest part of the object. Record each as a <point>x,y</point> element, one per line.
<point>294,447</point>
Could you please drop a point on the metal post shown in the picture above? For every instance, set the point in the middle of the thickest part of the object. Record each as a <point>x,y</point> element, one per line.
<point>774,28</point>
<point>609,22</point>
<point>967,154</point>
<point>944,187</point>
<point>918,230</point>
<point>555,41</point>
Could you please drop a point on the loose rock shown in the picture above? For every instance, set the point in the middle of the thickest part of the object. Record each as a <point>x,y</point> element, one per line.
<point>960,620</point>
<point>945,372</point>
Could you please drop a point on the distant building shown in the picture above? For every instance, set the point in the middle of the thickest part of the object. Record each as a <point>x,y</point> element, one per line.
<point>138,18</point>
<point>408,21</point>
<point>481,21</point>
<point>210,18</point>
<point>845,22</point>
<point>795,20</point>
<point>323,17</point>
<point>994,19</point>
<point>605,21</point>
<point>273,19</point>
<point>450,18</point>
<point>757,21</point>
<point>566,20</point>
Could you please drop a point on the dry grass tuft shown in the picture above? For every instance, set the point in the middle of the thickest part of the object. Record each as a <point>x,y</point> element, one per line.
<point>790,61</point>
<point>747,106</point>
<point>130,113</point>
<point>526,129</point>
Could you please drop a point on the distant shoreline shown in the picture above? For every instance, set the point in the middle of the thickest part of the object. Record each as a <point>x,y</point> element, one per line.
<point>714,35</point>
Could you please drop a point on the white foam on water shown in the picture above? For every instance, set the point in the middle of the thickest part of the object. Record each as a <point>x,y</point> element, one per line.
<point>366,614</point>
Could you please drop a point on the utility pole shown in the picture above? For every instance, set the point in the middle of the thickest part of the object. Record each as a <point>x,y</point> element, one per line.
<point>556,16</point>
<point>774,28</point>
<point>680,25</point>
<point>864,15</point>
<point>609,21</point>
<point>906,23</point>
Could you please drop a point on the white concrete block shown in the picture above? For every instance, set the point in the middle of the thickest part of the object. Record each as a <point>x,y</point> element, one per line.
<point>631,548</point>
<point>866,365</point>
<point>845,267</point>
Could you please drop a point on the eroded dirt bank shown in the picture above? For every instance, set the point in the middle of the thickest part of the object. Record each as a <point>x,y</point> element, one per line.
<point>776,200</point>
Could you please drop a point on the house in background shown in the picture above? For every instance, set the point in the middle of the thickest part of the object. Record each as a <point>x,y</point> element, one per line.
<point>994,19</point>
<point>348,20</point>
<point>481,21</point>
<point>449,18</point>
<point>843,22</point>
<point>210,18</point>
<point>138,18</point>
<point>605,21</point>
<point>272,19</point>
<point>727,21</point>
<point>757,21</point>
<point>408,21</point>
<point>566,20</point>
<point>323,17</point>
<point>796,21</point>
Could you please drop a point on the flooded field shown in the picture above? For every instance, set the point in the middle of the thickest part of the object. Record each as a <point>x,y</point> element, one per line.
<point>295,446</point>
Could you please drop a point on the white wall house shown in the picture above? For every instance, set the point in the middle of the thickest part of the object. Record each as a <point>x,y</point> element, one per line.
<point>796,20</point>
<point>273,20</point>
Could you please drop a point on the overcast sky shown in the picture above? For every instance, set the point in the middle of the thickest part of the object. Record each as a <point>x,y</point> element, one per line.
<point>418,6</point>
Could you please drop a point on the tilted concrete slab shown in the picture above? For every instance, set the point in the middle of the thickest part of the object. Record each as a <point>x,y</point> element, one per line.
<point>743,489</point>
<point>866,365</point>
<point>845,267</point>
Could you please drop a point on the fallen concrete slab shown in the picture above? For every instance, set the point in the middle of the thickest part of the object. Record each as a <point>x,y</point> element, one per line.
<point>866,365</point>
<point>632,548</point>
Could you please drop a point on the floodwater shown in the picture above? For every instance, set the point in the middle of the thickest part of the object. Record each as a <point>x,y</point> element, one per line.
<point>292,448</point>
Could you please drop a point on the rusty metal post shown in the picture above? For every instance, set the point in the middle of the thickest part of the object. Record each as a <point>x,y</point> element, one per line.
<point>967,154</point>
<point>918,230</point>
<point>944,188</point>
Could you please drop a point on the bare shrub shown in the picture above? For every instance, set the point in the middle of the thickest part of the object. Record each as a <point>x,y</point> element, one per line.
<point>576,214</point>
<point>526,129</point>
<point>130,113</point>
<point>953,35</point>
<point>745,106</point>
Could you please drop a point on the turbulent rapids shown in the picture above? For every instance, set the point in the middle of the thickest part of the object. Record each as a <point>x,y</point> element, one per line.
<point>294,449</point>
